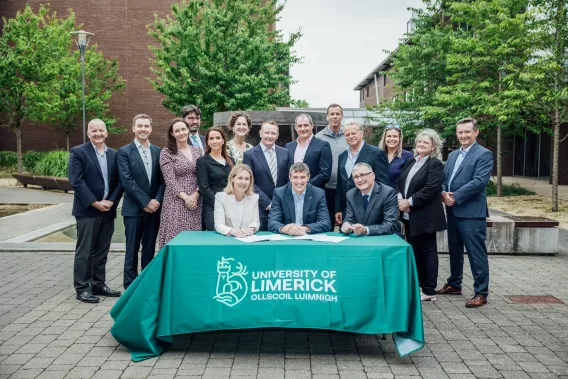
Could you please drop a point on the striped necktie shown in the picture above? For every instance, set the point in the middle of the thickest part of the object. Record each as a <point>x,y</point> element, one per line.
<point>272,165</point>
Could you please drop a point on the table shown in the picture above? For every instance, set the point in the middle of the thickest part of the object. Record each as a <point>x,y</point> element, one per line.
<point>204,281</point>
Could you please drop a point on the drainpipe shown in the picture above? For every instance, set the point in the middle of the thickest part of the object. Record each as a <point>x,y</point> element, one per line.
<point>376,88</point>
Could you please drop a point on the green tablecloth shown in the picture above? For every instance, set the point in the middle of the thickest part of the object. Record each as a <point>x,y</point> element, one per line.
<point>203,281</point>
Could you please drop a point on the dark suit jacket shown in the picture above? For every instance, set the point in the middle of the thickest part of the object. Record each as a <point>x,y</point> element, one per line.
<point>86,178</point>
<point>318,158</point>
<point>190,142</point>
<point>138,190</point>
<point>211,178</point>
<point>425,189</point>
<point>381,214</point>
<point>314,215</point>
<point>469,182</point>
<point>263,183</point>
<point>370,154</point>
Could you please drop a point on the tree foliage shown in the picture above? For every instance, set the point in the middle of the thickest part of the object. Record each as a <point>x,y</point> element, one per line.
<point>222,55</point>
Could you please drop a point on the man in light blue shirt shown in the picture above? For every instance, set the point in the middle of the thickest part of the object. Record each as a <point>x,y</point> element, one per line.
<point>299,208</point>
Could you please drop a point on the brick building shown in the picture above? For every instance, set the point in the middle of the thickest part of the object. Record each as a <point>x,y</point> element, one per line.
<point>526,155</point>
<point>120,31</point>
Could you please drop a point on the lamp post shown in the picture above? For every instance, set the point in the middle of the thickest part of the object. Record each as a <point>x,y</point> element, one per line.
<point>82,39</point>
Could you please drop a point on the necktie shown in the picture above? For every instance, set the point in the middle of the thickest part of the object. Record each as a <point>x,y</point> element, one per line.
<point>194,140</point>
<point>272,165</point>
<point>365,202</point>
<point>146,162</point>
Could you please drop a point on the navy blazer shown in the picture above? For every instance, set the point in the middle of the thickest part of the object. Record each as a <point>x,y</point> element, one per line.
<point>375,157</point>
<point>318,158</point>
<point>314,214</point>
<point>381,213</point>
<point>469,182</point>
<point>86,179</point>
<point>138,190</point>
<point>263,183</point>
<point>190,142</point>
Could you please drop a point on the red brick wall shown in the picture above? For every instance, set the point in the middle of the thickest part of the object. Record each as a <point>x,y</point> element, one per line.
<point>120,31</point>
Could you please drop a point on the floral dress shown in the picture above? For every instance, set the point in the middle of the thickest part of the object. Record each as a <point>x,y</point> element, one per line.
<point>235,153</point>
<point>179,176</point>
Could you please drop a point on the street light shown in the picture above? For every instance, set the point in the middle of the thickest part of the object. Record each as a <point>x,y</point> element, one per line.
<point>82,39</point>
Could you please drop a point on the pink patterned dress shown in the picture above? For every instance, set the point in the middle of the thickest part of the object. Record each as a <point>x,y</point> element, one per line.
<point>179,176</point>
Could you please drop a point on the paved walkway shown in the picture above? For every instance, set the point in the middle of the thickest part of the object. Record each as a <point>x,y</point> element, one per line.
<point>46,333</point>
<point>540,186</point>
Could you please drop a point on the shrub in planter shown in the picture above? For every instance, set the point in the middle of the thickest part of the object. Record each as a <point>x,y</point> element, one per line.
<point>8,159</point>
<point>54,163</point>
<point>30,160</point>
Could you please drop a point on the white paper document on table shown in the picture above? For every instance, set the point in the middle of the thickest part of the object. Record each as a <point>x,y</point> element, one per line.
<point>257,238</point>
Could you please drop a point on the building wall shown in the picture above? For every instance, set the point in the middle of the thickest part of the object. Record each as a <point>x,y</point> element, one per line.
<point>384,83</point>
<point>120,31</point>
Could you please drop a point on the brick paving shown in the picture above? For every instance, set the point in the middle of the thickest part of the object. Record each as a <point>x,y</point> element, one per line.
<point>46,333</point>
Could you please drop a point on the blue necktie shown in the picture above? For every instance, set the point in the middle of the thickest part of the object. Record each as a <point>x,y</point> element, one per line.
<point>365,201</point>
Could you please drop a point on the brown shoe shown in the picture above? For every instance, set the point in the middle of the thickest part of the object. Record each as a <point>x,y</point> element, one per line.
<point>476,301</point>
<point>448,290</point>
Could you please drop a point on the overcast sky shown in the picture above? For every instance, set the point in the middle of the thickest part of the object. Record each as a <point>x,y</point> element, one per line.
<point>343,41</point>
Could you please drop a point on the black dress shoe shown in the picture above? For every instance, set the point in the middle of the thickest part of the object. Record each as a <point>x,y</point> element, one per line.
<point>105,291</point>
<point>87,297</point>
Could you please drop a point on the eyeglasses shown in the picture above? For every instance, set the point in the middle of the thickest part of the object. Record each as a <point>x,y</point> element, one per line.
<point>357,177</point>
<point>193,118</point>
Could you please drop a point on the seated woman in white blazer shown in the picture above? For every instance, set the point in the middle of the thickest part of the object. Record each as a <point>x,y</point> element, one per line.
<point>236,208</point>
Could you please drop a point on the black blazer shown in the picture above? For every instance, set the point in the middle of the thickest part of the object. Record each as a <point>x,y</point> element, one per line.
<point>370,154</point>
<point>138,190</point>
<point>425,188</point>
<point>318,158</point>
<point>263,183</point>
<point>211,178</point>
<point>86,178</point>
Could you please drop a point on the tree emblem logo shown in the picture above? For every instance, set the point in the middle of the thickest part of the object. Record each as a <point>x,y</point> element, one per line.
<point>232,286</point>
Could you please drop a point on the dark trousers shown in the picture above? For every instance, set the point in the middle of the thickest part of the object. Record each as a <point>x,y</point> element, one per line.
<point>208,218</point>
<point>471,233</point>
<point>94,235</point>
<point>139,229</point>
<point>425,250</point>
<point>330,200</point>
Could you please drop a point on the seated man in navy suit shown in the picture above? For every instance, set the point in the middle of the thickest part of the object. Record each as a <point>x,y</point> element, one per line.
<point>465,176</point>
<point>299,208</point>
<point>269,164</point>
<point>191,114</point>
<point>358,152</point>
<point>371,208</point>
<point>97,190</point>
<point>314,152</point>
<point>141,177</point>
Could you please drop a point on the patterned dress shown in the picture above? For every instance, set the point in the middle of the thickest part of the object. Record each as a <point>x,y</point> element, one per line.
<point>179,176</point>
<point>236,153</point>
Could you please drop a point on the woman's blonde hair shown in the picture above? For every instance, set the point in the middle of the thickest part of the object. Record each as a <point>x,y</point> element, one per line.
<point>437,142</point>
<point>383,145</point>
<point>234,172</point>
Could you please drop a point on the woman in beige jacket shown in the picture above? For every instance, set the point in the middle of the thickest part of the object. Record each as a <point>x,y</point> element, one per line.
<point>236,208</point>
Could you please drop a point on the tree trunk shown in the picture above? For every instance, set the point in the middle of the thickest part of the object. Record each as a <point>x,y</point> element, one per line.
<point>499,162</point>
<point>67,140</point>
<point>18,131</point>
<point>555,158</point>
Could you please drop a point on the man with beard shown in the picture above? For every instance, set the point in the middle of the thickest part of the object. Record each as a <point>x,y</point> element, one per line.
<point>191,114</point>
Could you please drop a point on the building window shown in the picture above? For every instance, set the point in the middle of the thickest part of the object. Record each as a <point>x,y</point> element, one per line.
<point>384,80</point>
<point>367,91</point>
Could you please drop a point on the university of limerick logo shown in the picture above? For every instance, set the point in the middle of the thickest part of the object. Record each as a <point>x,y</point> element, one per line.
<point>231,284</point>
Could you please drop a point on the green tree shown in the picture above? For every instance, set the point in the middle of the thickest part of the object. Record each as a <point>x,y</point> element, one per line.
<point>548,73</point>
<point>31,45</point>
<point>222,55</point>
<point>62,106</point>
<point>488,54</point>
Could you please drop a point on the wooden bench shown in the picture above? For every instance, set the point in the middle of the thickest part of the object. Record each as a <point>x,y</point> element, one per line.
<point>45,182</point>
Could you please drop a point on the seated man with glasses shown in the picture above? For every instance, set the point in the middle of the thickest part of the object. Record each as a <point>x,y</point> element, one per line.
<point>372,208</point>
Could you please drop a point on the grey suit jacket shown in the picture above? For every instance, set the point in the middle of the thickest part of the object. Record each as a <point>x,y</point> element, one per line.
<point>469,182</point>
<point>381,216</point>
